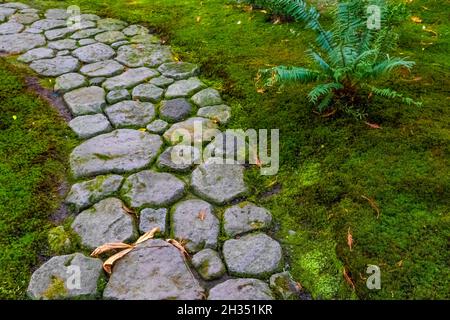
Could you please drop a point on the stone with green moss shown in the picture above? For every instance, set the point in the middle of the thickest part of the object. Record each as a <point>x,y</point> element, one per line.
<point>59,240</point>
<point>241,289</point>
<point>253,255</point>
<point>249,217</point>
<point>86,193</point>
<point>284,286</point>
<point>179,70</point>
<point>107,221</point>
<point>66,277</point>
<point>208,264</point>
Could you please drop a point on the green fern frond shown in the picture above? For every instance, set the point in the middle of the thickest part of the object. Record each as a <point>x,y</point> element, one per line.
<point>282,74</point>
<point>323,90</point>
<point>392,94</point>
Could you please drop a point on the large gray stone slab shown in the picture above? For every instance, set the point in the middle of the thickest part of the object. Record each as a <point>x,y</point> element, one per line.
<point>184,88</point>
<point>54,67</point>
<point>207,97</point>
<point>25,17</point>
<point>147,92</point>
<point>175,110</point>
<point>138,55</point>
<point>194,222</point>
<point>208,264</point>
<point>54,279</point>
<point>85,33</point>
<point>241,289</point>
<point>19,43</point>
<point>48,24</point>
<point>105,222</point>
<point>219,113</point>
<point>110,24</point>
<point>57,34</point>
<point>253,255</point>
<point>69,81</point>
<point>150,188</point>
<point>37,54</point>
<point>179,70</point>
<point>86,193</point>
<point>94,53</point>
<point>130,113</point>
<point>245,217</point>
<point>107,68</point>
<point>134,30</point>
<point>179,158</point>
<point>63,44</point>
<point>153,218</point>
<point>122,150</point>
<point>90,125</point>
<point>218,182</point>
<point>188,128</point>
<point>109,37</point>
<point>129,78</point>
<point>154,270</point>
<point>11,28</point>
<point>85,100</point>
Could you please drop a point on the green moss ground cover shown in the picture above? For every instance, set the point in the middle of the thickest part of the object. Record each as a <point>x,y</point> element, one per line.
<point>328,165</point>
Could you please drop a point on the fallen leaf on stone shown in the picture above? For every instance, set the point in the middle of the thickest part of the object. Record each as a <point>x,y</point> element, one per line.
<point>128,210</point>
<point>108,264</point>
<point>179,246</point>
<point>202,214</point>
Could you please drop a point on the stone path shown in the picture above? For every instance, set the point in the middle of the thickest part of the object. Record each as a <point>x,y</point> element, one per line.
<point>130,99</point>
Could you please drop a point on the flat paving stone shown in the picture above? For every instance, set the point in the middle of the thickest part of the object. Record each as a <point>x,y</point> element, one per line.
<point>184,88</point>
<point>117,96</point>
<point>107,68</point>
<point>61,14</point>
<point>86,193</point>
<point>48,24</point>
<point>19,43</point>
<point>162,81</point>
<point>69,81</point>
<point>85,42</point>
<point>110,37</point>
<point>11,28</point>
<point>37,54</point>
<point>85,33</point>
<point>207,97</point>
<point>208,264</point>
<point>253,255</point>
<point>105,222</point>
<point>129,78</point>
<point>194,222</point>
<point>120,151</point>
<point>153,218</point>
<point>175,110</point>
<point>157,126</point>
<point>85,100</point>
<point>186,130</point>
<point>245,217</point>
<point>118,44</point>
<point>110,24</point>
<point>154,270</point>
<point>134,30</point>
<point>90,125</point>
<point>54,67</point>
<point>217,182</point>
<point>50,281</point>
<point>220,113</point>
<point>150,188</point>
<point>94,53</point>
<point>179,158</point>
<point>25,17</point>
<point>179,70</point>
<point>130,113</point>
<point>64,44</point>
<point>241,289</point>
<point>57,34</point>
<point>138,55</point>
<point>147,92</point>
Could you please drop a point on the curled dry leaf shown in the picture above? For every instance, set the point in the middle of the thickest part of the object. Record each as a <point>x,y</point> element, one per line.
<point>202,214</point>
<point>179,246</point>
<point>349,239</point>
<point>108,264</point>
<point>347,278</point>
<point>373,204</point>
<point>128,210</point>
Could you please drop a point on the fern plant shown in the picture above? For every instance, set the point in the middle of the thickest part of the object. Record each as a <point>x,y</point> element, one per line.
<point>348,58</point>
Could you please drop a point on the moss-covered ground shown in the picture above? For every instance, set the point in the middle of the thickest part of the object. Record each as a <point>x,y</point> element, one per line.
<point>329,166</point>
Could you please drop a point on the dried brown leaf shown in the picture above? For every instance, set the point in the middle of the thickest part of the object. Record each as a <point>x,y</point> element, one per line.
<point>201,215</point>
<point>108,247</point>
<point>373,204</point>
<point>108,264</point>
<point>349,239</point>
<point>179,246</point>
<point>347,278</point>
<point>148,235</point>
